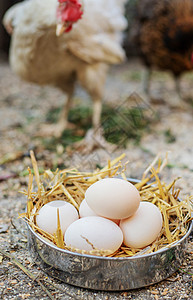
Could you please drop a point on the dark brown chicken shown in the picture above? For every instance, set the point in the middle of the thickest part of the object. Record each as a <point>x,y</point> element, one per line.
<point>162,32</point>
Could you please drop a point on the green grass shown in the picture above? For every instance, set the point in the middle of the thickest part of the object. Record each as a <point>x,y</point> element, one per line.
<point>132,76</point>
<point>169,136</point>
<point>120,124</point>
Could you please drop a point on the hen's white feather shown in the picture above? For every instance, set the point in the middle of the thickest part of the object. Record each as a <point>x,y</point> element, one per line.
<point>36,53</point>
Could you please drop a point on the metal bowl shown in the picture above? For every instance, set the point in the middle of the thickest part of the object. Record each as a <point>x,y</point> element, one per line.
<point>106,273</point>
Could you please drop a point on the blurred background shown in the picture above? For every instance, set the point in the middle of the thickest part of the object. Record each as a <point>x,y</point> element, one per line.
<point>4,37</point>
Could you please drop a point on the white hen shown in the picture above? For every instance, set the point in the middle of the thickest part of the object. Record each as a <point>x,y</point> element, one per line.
<point>83,54</point>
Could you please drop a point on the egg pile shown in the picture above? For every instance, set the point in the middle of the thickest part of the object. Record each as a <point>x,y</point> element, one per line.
<point>111,214</point>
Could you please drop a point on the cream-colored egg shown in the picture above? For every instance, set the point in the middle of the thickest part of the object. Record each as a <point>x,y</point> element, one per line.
<point>143,227</point>
<point>47,216</point>
<point>86,211</point>
<point>94,233</point>
<point>113,198</point>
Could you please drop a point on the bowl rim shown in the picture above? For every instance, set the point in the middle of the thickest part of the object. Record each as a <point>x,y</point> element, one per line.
<point>90,256</point>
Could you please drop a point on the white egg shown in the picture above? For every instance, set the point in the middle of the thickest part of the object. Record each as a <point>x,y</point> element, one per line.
<point>113,198</point>
<point>94,233</point>
<point>86,211</point>
<point>47,216</point>
<point>143,227</point>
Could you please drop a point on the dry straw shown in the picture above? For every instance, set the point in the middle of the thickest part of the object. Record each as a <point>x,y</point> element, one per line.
<point>70,185</point>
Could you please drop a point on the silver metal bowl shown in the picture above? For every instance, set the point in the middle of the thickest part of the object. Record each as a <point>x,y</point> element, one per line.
<point>106,273</point>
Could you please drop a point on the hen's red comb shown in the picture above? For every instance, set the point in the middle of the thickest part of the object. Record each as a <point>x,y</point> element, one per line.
<point>69,12</point>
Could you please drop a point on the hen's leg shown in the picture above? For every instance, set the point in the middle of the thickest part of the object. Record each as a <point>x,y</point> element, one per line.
<point>94,137</point>
<point>146,78</point>
<point>92,79</point>
<point>97,110</point>
<point>178,86</point>
<point>148,96</point>
<point>63,118</point>
<point>179,99</point>
<point>62,124</point>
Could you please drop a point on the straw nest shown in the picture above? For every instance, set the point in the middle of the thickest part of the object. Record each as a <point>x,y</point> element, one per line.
<point>70,185</point>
